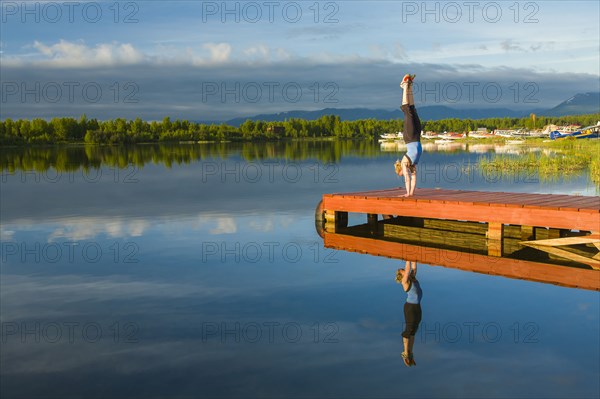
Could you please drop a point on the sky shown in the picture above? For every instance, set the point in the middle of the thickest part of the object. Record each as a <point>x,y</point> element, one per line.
<point>215,60</point>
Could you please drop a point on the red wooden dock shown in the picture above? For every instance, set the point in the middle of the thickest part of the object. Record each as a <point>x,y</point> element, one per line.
<point>484,232</point>
<point>495,208</point>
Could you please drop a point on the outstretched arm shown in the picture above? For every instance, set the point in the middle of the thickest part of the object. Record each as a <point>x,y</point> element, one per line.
<point>406,276</point>
<point>413,182</point>
<point>409,180</point>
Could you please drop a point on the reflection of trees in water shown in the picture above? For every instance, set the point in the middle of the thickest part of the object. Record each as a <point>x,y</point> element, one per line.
<point>72,158</point>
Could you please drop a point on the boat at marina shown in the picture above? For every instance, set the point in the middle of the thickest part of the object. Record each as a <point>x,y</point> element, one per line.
<point>589,132</point>
<point>391,137</point>
<point>429,135</point>
<point>477,135</point>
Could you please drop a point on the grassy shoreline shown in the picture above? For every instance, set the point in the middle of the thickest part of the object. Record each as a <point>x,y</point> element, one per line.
<point>563,158</point>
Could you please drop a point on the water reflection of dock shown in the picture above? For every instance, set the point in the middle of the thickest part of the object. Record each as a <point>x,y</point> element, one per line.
<point>567,276</point>
<point>540,237</point>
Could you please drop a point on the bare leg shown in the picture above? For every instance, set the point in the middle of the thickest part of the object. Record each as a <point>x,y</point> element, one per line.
<point>411,343</point>
<point>410,178</point>
<point>406,354</point>
<point>407,95</point>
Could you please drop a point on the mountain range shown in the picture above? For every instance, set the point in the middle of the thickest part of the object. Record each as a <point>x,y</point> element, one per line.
<point>582,103</point>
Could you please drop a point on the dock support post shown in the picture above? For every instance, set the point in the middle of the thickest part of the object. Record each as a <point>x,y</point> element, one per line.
<point>330,216</point>
<point>495,236</point>
<point>329,221</point>
<point>335,219</point>
<point>341,219</point>
<point>372,222</point>
<point>372,218</point>
<point>495,231</point>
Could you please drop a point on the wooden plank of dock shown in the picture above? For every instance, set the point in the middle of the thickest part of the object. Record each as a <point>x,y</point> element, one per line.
<point>572,277</point>
<point>553,245</point>
<point>541,210</point>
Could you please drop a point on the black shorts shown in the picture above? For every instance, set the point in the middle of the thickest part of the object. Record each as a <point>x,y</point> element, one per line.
<point>412,316</point>
<point>412,124</point>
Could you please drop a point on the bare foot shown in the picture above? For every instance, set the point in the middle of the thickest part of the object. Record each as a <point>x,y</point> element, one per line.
<point>411,359</point>
<point>406,359</point>
<point>406,195</point>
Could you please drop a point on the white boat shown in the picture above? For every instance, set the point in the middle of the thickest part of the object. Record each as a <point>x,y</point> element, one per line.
<point>391,136</point>
<point>505,133</point>
<point>538,134</point>
<point>429,135</point>
<point>479,135</point>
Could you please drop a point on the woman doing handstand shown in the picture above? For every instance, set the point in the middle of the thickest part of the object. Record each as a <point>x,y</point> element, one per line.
<point>412,138</point>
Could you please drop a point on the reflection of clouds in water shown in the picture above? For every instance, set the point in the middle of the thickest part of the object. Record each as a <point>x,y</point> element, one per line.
<point>269,223</point>
<point>587,310</point>
<point>87,228</point>
<point>6,235</point>
<point>225,225</point>
<point>28,296</point>
<point>229,224</point>
<point>262,225</point>
<point>366,358</point>
<point>362,360</point>
<point>38,296</point>
<point>173,353</point>
<point>583,306</point>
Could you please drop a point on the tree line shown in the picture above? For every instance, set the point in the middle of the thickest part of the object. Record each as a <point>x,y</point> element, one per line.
<point>122,131</point>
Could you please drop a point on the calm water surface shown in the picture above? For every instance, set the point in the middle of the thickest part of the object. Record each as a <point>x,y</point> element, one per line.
<point>196,271</point>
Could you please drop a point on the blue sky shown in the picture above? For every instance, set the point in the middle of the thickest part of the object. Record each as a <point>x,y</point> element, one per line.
<point>218,60</point>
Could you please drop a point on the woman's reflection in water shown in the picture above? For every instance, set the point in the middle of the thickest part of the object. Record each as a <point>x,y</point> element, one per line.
<point>412,309</point>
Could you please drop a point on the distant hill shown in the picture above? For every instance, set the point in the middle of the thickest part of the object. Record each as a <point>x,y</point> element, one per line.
<point>347,114</point>
<point>434,112</point>
<point>583,103</point>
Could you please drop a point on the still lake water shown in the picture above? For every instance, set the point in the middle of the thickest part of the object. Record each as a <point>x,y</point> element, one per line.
<point>196,271</point>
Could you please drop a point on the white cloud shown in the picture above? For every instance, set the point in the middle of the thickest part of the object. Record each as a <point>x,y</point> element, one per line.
<point>78,54</point>
<point>508,45</point>
<point>399,51</point>
<point>260,50</point>
<point>219,52</point>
